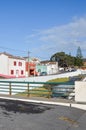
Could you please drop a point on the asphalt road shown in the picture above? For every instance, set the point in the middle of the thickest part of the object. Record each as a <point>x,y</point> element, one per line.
<point>18,115</point>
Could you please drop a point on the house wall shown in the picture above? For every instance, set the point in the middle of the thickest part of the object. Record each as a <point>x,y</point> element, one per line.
<point>41,68</point>
<point>52,68</point>
<point>7,67</point>
<point>18,67</point>
<point>4,64</point>
<point>30,68</point>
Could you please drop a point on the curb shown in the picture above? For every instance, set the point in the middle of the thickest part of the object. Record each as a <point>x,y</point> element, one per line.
<point>79,106</point>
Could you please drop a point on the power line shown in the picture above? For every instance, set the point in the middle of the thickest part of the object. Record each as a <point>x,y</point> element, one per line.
<point>2,47</point>
<point>18,50</point>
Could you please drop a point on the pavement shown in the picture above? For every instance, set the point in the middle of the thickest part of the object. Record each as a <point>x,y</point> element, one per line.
<point>50,101</point>
<point>20,115</point>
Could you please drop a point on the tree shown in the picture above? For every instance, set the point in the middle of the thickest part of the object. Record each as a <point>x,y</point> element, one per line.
<point>78,62</point>
<point>63,59</point>
<point>78,59</point>
<point>79,53</point>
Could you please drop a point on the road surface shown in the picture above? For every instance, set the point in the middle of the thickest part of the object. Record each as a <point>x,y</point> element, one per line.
<point>18,115</point>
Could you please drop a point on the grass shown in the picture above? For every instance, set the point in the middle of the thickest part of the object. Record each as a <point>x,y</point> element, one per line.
<point>59,80</point>
<point>38,92</point>
<point>44,91</point>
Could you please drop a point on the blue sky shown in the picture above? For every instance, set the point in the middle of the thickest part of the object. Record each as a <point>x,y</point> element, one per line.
<point>42,27</point>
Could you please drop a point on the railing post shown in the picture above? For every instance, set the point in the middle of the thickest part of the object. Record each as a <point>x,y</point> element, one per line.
<point>28,90</point>
<point>50,91</point>
<point>10,89</point>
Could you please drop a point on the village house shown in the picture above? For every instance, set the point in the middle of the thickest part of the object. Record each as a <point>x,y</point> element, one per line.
<point>11,66</point>
<point>41,68</point>
<point>30,66</point>
<point>47,67</point>
<point>15,66</point>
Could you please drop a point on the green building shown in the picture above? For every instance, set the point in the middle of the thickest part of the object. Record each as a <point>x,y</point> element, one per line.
<point>41,68</point>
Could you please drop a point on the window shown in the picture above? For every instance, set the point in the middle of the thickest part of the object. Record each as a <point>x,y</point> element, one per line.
<point>20,63</point>
<point>14,63</point>
<point>12,72</point>
<point>22,72</point>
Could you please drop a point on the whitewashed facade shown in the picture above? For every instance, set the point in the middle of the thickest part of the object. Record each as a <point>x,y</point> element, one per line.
<point>11,66</point>
<point>52,67</point>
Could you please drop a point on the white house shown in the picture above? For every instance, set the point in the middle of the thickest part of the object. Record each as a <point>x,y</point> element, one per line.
<point>11,66</point>
<point>52,67</point>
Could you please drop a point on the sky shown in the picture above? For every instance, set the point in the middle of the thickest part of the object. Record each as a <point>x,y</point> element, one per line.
<point>42,27</point>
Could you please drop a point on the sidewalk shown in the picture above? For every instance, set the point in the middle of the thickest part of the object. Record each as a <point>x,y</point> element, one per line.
<point>52,101</point>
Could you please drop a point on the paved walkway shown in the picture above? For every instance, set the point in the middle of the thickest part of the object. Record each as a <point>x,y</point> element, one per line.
<point>51,101</point>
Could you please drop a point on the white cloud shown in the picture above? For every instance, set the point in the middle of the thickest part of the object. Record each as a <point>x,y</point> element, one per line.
<point>62,38</point>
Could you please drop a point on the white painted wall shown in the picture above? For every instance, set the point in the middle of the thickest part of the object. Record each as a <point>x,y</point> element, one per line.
<point>52,68</point>
<point>7,64</point>
<point>80,91</point>
<point>17,69</point>
<point>3,64</point>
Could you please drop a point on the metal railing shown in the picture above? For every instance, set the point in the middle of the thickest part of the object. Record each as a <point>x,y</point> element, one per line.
<point>51,89</point>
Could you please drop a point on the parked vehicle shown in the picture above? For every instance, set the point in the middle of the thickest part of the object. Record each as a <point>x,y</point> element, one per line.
<point>70,69</point>
<point>43,73</point>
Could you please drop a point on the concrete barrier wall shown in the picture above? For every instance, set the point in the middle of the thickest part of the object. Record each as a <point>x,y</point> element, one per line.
<point>80,91</point>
